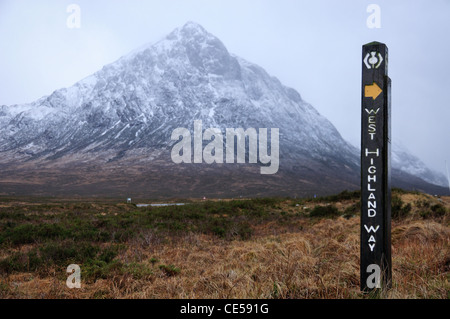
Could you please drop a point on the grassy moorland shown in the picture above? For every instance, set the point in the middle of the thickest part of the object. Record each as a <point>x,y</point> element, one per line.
<point>258,248</point>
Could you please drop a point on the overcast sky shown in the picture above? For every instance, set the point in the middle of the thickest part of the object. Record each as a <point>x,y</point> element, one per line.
<point>312,46</point>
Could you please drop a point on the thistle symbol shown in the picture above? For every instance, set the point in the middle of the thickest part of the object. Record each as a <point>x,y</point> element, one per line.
<point>373,60</point>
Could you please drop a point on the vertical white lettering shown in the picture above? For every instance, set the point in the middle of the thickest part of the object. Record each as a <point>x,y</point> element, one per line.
<point>377,152</point>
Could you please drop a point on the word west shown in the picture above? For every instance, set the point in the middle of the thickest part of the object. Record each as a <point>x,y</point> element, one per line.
<point>74,280</point>
<point>214,152</point>
<point>74,19</point>
<point>372,177</point>
<point>374,20</point>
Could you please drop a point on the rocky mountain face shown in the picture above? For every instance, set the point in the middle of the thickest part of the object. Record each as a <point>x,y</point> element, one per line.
<point>110,134</point>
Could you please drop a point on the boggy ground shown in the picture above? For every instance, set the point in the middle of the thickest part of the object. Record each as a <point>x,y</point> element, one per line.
<point>258,248</point>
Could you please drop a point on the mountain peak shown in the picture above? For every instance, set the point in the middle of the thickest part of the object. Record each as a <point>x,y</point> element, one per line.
<point>193,26</point>
<point>189,35</point>
<point>200,49</point>
<point>193,31</point>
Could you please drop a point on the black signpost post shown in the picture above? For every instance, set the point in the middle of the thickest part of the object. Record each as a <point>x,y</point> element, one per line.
<point>376,264</point>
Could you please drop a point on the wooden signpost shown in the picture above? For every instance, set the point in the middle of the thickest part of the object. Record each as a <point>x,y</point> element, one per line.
<point>376,263</point>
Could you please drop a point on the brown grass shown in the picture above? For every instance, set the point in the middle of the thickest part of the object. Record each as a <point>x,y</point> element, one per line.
<point>305,259</point>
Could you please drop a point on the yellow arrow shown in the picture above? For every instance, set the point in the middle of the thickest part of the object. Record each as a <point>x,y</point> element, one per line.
<point>373,91</point>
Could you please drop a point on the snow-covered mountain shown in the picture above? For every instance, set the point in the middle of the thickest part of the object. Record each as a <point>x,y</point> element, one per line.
<point>121,118</point>
<point>406,162</point>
